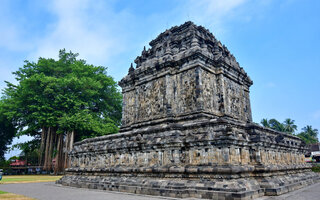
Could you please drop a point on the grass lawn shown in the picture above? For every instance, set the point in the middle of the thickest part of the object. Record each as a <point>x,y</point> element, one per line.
<point>28,179</point>
<point>6,195</point>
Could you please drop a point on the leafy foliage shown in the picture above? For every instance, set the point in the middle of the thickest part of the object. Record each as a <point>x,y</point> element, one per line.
<point>287,126</point>
<point>4,163</point>
<point>60,97</point>
<point>30,151</point>
<point>316,168</point>
<point>68,94</point>
<point>308,134</point>
<point>7,129</point>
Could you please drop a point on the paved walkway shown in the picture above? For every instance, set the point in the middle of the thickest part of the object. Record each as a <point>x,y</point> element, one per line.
<point>51,191</point>
<point>311,192</point>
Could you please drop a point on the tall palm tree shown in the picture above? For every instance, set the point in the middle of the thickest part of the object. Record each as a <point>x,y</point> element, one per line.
<point>309,135</point>
<point>265,123</point>
<point>276,125</point>
<point>289,126</point>
<point>310,131</point>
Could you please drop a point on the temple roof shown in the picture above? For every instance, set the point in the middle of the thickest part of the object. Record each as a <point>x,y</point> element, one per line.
<point>186,40</point>
<point>180,38</point>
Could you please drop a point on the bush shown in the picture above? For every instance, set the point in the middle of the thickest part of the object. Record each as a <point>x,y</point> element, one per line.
<point>316,168</point>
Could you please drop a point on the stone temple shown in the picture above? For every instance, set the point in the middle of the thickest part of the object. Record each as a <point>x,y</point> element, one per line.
<point>187,130</point>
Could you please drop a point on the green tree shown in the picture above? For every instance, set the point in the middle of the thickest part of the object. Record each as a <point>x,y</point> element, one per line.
<point>265,123</point>
<point>7,129</point>
<point>273,124</point>
<point>309,135</point>
<point>4,163</point>
<point>289,126</point>
<point>63,101</point>
<point>312,132</point>
<point>276,125</point>
<point>29,151</point>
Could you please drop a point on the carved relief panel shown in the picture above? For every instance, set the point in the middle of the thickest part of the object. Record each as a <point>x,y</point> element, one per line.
<point>150,100</point>
<point>186,92</point>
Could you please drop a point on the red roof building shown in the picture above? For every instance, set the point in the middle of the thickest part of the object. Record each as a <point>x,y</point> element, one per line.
<point>18,163</point>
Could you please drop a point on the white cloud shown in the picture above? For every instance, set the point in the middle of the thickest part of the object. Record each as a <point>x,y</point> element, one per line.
<point>10,38</point>
<point>213,11</point>
<point>11,32</point>
<point>5,75</point>
<point>83,27</point>
<point>217,14</point>
<point>98,31</point>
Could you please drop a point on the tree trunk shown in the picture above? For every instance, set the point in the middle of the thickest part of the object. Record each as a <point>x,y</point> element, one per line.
<point>66,147</point>
<point>59,156</point>
<point>42,146</point>
<point>46,153</point>
<point>49,155</point>
<point>51,144</point>
<point>71,140</point>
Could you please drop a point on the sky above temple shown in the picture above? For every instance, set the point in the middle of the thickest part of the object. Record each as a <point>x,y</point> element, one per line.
<point>277,42</point>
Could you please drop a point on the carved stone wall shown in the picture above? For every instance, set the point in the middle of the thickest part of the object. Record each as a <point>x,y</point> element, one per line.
<point>186,70</point>
<point>187,130</point>
<point>199,144</point>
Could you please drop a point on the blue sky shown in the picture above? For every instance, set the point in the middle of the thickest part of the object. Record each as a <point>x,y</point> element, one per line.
<point>277,42</point>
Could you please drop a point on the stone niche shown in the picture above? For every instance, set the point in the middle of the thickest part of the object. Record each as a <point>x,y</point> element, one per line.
<point>187,130</point>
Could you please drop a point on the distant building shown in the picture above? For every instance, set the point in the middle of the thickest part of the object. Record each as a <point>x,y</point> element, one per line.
<point>18,163</point>
<point>315,147</point>
<point>18,166</point>
<point>315,151</point>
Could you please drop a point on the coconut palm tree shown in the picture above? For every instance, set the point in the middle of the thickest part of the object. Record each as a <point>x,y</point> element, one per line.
<point>310,131</point>
<point>309,135</point>
<point>289,126</point>
<point>265,123</point>
<point>276,125</point>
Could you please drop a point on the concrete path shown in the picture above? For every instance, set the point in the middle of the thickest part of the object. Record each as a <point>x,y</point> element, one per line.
<point>51,191</point>
<point>311,192</point>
